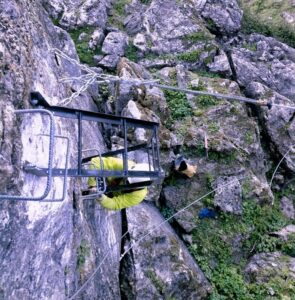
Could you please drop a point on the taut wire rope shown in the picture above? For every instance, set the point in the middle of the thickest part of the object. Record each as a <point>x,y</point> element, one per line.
<point>149,232</point>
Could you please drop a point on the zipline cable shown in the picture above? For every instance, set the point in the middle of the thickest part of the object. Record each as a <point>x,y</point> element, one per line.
<point>149,232</point>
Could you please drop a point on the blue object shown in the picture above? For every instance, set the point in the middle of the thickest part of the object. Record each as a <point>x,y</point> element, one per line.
<point>207,213</point>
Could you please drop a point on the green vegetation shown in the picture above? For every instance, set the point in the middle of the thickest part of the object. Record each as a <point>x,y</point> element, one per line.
<point>85,54</point>
<point>146,2</point>
<point>55,22</point>
<point>213,250</point>
<point>249,138</point>
<point>119,7</point>
<point>156,281</point>
<point>222,157</point>
<point>192,56</point>
<point>118,14</point>
<point>82,253</point>
<point>252,23</point>
<point>199,36</point>
<point>178,105</point>
<point>209,74</point>
<point>131,52</point>
<point>205,101</point>
<point>167,213</point>
<point>213,127</point>
<point>249,46</point>
<point>198,150</point>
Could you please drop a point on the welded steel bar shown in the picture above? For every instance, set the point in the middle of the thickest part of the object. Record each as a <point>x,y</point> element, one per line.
<point>57,172</point>
<point>50,157</point>
<point>80,132</point>
<point>157,147</point>
<point>65,177</point>
<point>125,153</point>
<point>115,152</point>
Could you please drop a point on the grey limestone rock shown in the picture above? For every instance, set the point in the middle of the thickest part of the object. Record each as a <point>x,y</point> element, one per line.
<point>140,42</point>
<point>285,232</point>
<point>115,43</point>
<point>163,267</point>
<point>220,65</point>
<point>287,208</point>
<point>263,266</point>
<point>96,39</point>
<point>266,68</point>
<point>229,195</point>
<point>55,8</point>
<point>47,250</point>
<point>168,34</point>
<point>79,13</point>
<point>267,61</point>
<point>225,15</point>
<point>109,61</point>
<point>178,196</point>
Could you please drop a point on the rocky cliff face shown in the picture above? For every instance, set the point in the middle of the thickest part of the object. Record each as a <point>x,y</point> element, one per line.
<point>48,250</point>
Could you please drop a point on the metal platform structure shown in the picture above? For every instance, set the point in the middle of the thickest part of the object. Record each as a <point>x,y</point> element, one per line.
<point>122,124</point>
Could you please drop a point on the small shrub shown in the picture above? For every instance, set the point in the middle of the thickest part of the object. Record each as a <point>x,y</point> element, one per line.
<point>131,52</point>
<point>205,101</point>
<point>213,127</point>
<point>197,36</point>
<point>288,247</point>
<point>192,56</point>
<point>249,138</point>
<point>119,7</point>
<point>178,105</point>
<point>85,54</point>
<point>167,213</point>
<point>82,252</point>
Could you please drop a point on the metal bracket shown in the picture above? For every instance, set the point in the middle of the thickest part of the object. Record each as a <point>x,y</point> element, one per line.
<point>122,123</point>
<point>100,181</point>
<point>65,175</point>
<point>50,157</point>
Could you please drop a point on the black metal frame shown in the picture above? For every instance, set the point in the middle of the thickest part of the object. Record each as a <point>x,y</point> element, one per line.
<point>151,148</point>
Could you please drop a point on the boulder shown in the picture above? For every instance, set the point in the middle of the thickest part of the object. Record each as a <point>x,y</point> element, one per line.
<point>263,267</point>
<point>55,8</point>
<point>268,61</point>
<point>179,195</point>
<point>140,42</point>
<point>80,13</point>
<point>96,39</point>
<point>287,208</point>
<point>277,122</point>
<point>285,232</point>
<point>229,195</point>
<point>133,22</point>
<point>163,267</point>
<point>220,65</point>
<point>115,43</point>
<point>109,62</point>
<point>224,16</point>
<point>171,34</point>
<point>132,111</point>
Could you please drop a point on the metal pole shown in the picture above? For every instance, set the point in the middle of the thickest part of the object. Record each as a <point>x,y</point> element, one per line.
<point>217,95</point>
<point>125,153</point>
<point>79,142</point>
